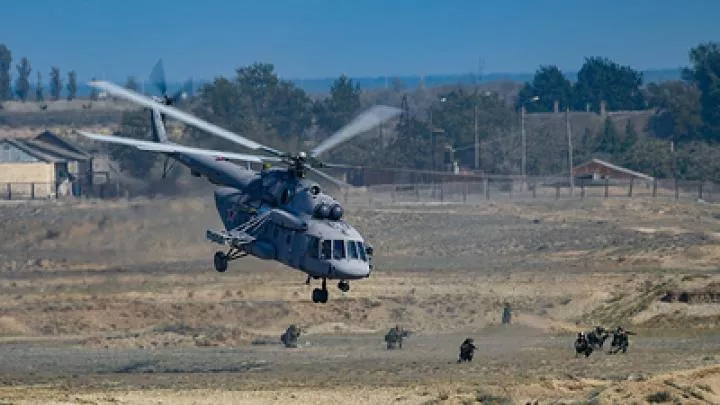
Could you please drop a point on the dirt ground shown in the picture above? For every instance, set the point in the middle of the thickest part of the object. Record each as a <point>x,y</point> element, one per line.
<point>117,302</point>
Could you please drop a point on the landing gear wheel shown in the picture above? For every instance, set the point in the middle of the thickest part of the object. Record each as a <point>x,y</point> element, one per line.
<point>220,261</point>
<point>344,286</point>
<point>320,295</point>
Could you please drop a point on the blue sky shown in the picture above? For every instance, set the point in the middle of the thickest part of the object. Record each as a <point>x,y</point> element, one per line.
<point>325,38</point>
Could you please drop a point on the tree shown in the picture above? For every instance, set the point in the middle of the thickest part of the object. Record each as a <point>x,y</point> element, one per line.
<point>455,116</point>
<point>678,112</point>
<point>94,93</point>
<point>609,141</point>
<point>39,96</point>
<point>273,111</point>
<point>56,83</point>
<point>601,79</point>
<point>409,149</point>
<point>631,137</point>
<point>651,156</point>
<point>342,105</point>
<point>22,84</point>
<point>72,85</point>
<point>550,85</point>
<point>705,73</point>
<point>137,163</point>
<point>131,84</point>
<point>5,66</point>
<point>278,106</point>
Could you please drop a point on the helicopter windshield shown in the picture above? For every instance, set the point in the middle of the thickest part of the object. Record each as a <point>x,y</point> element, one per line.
<point>338,249</point>
<point>353,250</point>
<point>361,250</point>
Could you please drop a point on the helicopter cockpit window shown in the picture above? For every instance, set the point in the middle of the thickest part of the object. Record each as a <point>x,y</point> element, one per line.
<point>314,247</point>
<point>361,249</point>
<point>338,249</point>
<point>353,250</point>
<point>326,249</point>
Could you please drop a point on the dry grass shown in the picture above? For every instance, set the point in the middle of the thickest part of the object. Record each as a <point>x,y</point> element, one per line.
<point>135,279</point>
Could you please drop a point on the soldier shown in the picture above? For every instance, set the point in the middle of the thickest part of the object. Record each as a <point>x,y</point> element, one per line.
<point>620,340</point>
<point>507,314</point>
<point>467,349</point>
<point>582,346</point>
<point>596,337</point>
<point>289,338</point>
<point>394,337</point>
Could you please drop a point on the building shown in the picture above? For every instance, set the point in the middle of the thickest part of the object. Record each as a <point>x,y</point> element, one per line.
<point>43,167</point>
<point>597,169</point>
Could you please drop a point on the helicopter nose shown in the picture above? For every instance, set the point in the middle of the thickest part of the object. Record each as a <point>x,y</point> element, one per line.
<point>351,269</point>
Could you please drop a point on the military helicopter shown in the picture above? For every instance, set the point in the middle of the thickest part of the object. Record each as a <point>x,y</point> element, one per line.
<point>276,213</point>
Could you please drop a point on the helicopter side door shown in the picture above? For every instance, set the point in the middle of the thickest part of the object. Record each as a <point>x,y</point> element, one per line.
<point>299,250</point>
<point>283,244</point>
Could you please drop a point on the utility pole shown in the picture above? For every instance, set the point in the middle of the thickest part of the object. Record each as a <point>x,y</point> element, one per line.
<point>570,149</point>
<point>522,140</point>
<point>432,141</point>
<point>478,79</point>
<point>477,138</point>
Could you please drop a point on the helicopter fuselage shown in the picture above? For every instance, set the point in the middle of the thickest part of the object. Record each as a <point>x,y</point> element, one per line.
<point>319,245</point>
<point>302,232</point>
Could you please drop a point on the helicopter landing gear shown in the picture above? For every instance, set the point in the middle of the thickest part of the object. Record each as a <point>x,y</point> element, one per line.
<point>221,259</point>
<point>320,295</point>
<point>344,286</point>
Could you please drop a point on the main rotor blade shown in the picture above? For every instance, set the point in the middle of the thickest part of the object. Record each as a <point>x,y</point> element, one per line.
<point>186,118</point>
<point>175,148</point>
<point>369,119</point>
<point>329,178</point>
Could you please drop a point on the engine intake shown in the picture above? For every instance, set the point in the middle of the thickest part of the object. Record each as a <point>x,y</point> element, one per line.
<point>336,212</point>
<point>322,211</point>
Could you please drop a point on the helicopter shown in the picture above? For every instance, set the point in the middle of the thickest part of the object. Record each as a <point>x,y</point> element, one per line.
<point>276,213</point>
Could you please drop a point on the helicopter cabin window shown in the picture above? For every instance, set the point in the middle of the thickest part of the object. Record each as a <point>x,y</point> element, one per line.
<point>361,250</point>
<point>353,250</point>
<point>326,249</point>
<point>338,249</point>
<point>314,247</point>
<point>287,196</point>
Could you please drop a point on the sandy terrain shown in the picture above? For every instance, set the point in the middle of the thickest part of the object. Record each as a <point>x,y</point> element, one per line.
<point>117,302</point>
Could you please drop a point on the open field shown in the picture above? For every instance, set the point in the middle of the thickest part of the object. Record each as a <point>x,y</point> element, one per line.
<point>117,302</point>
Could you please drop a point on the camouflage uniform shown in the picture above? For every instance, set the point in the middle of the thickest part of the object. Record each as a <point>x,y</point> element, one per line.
<point>289,338</point>
<point>582,346</point>
<point>467,349</point>
<point>507,314</point>
<point>394,337</point>
<point>620,340</point>
<point>596,337</point>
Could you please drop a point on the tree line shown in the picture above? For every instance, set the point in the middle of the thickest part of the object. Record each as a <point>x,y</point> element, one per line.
<point>439,124</point>
<point>22,89</point>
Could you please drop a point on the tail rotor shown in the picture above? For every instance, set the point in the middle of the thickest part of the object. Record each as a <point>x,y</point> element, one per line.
<point>157,77</point>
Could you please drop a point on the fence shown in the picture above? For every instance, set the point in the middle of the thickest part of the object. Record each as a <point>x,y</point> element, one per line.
<point>46,191</point>
<point>488,189</point>
<point>533,188</point>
